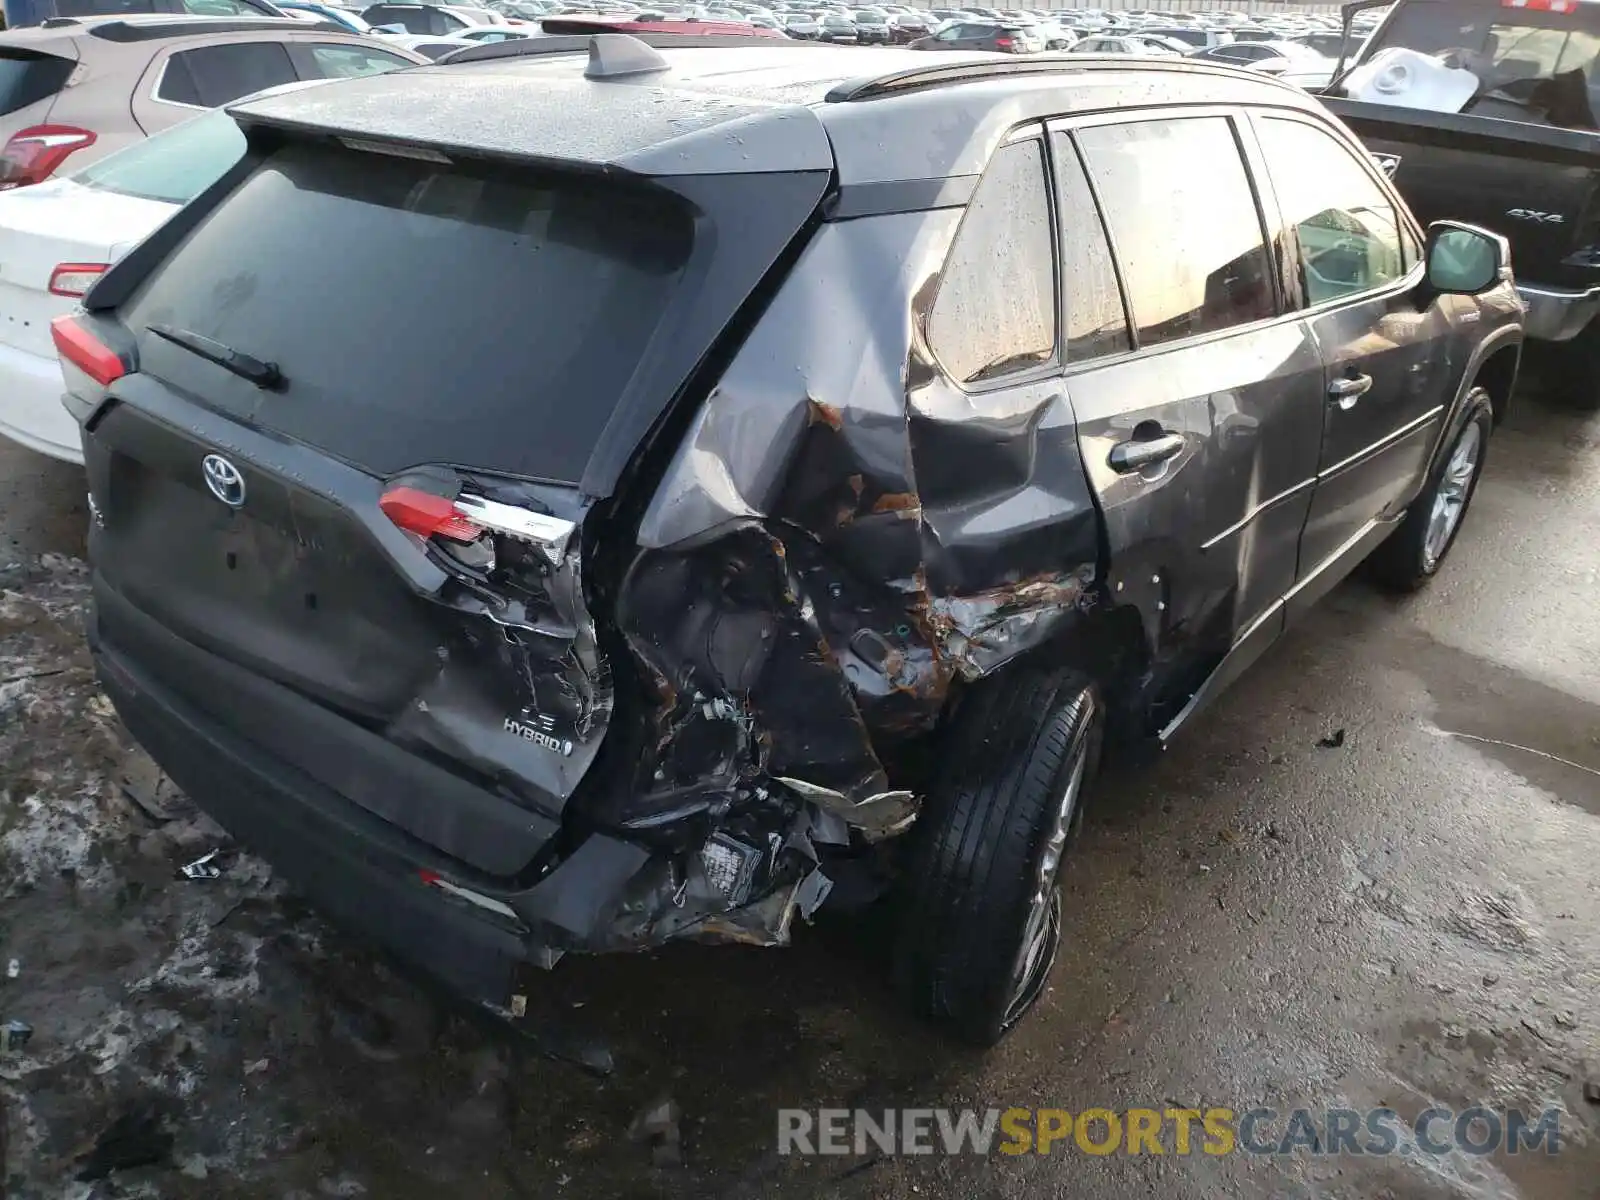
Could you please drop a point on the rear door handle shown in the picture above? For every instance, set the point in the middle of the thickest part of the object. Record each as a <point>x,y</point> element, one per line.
<point>1142,452</point>
<point>1347,389</point>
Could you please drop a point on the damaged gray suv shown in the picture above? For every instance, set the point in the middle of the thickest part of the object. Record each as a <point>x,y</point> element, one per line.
<point>740,473</point>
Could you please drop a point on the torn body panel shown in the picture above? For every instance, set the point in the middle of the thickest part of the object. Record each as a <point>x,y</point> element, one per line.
<point>821,565</point>
<point>523,694</point>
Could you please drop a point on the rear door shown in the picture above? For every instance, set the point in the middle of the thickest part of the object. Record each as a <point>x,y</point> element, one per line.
<point>1003,493</point>
<point>1200,430</point>
<point>1357,267</point>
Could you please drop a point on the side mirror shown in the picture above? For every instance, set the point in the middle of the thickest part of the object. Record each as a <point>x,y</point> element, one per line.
<point>1464,260</point>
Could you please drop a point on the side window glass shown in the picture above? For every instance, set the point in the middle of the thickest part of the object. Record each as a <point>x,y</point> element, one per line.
<point>1348,231</point>
<point>1096,322</point>
<point>219,8</point>
<point>1184,217</point>
<point>348,62</point>
<point>996,308</point>
<point>213,75</point>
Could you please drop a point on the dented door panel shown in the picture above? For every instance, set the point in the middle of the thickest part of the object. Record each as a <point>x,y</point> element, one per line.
<point>1205,542</point>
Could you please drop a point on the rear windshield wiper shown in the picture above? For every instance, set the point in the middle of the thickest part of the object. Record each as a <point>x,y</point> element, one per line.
<point>263,374</point>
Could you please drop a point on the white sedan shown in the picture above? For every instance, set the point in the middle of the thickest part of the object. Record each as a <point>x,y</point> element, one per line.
<point>58,237</point>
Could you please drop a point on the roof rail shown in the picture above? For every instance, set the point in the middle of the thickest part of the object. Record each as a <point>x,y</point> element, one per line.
<point>934,74</point>
<point>878,86</point>
<point>182,26</point>
<point>59,22</point>
<point>578,43</point>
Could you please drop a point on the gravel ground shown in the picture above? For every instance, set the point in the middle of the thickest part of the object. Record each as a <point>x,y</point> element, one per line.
<point>1408,918</point>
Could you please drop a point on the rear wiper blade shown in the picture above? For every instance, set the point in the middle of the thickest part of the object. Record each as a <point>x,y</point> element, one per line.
<point>262,374</point>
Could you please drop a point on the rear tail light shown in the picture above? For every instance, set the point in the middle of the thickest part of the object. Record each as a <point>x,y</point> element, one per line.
<point>88,353</point>
<point>467,518</point>
<point>1555,6</point>
<point>1003,43</point>
<point>34,154</point>
<point>427,515</point>
<point>74,279</point>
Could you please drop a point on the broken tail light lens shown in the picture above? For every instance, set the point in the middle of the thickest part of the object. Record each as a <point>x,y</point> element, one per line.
<point>74,279</point>
<point>467,518</point>
<point>87,353</point>
<point>34,154</point>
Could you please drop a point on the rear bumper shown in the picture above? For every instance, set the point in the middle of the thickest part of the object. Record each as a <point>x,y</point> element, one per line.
<point>31,411</point>
<point>469,930</point>
<point>1556,314</point>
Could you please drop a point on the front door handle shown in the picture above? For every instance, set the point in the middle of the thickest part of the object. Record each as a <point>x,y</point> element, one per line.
<point>1347,389</point>
<point>1142,452</point>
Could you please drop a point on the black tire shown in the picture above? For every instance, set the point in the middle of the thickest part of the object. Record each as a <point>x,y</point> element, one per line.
<point>1407,560</point>
<point>976,852</point>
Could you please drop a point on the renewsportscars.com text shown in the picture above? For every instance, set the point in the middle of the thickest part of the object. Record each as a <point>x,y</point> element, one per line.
<point>1477,1130</point>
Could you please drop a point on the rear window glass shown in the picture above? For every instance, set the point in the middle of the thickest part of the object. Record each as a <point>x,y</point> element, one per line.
<point>175,165</point>
<point>422,313</point>
<point>29,78</point>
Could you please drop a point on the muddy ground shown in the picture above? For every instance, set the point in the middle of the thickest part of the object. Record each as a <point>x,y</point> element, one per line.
<point>1406,919</point>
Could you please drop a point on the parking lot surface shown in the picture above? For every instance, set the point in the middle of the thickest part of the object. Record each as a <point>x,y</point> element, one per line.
<point>1367,878</point>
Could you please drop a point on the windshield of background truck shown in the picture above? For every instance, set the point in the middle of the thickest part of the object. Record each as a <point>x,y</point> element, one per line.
<point>1538,56</point>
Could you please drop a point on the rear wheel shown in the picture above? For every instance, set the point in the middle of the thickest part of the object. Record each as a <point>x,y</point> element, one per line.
<point>1413,553</point>
<point>980,912</point>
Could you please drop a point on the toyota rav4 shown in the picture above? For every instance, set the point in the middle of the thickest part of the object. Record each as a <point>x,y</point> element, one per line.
<point>595,493</point>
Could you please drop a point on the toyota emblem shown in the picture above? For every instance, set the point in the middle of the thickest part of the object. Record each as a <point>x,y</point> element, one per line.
<point>224,480</point>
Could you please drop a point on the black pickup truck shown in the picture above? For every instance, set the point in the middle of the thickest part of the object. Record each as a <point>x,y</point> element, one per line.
<point>1520,156</point>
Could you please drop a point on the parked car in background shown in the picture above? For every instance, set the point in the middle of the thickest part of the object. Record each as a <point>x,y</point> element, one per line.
<point>650,22</point>
<point>905,28</point>
<point>1328,43</point>
<point>58,237</point>
<point>838,27</point>
<point>348,18</point>
<point>1055,36</point>
<point>1245,53</point>
<point>872,27</point>
<point>1123,44</point>
<point>1194,36</point>
<point>663,646</point>
<point>434,19</point>
<point>1003,37</point>
<point>802,25</point>
<point>79,90</point>
<point>488,35</point>
<point>427,45</point>
<point>24,14</point>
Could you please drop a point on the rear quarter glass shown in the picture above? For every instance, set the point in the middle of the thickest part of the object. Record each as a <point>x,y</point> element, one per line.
<point>420,312</point>
<point>175,165</point>
<point>27,77</point>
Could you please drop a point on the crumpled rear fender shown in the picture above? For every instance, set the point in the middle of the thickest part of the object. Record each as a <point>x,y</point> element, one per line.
<point>841,538</point>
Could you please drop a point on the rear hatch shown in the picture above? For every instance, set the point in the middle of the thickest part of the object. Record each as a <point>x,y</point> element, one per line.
<point>35,66</point>
<point>346,441</point>
<point>1522,154</point>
